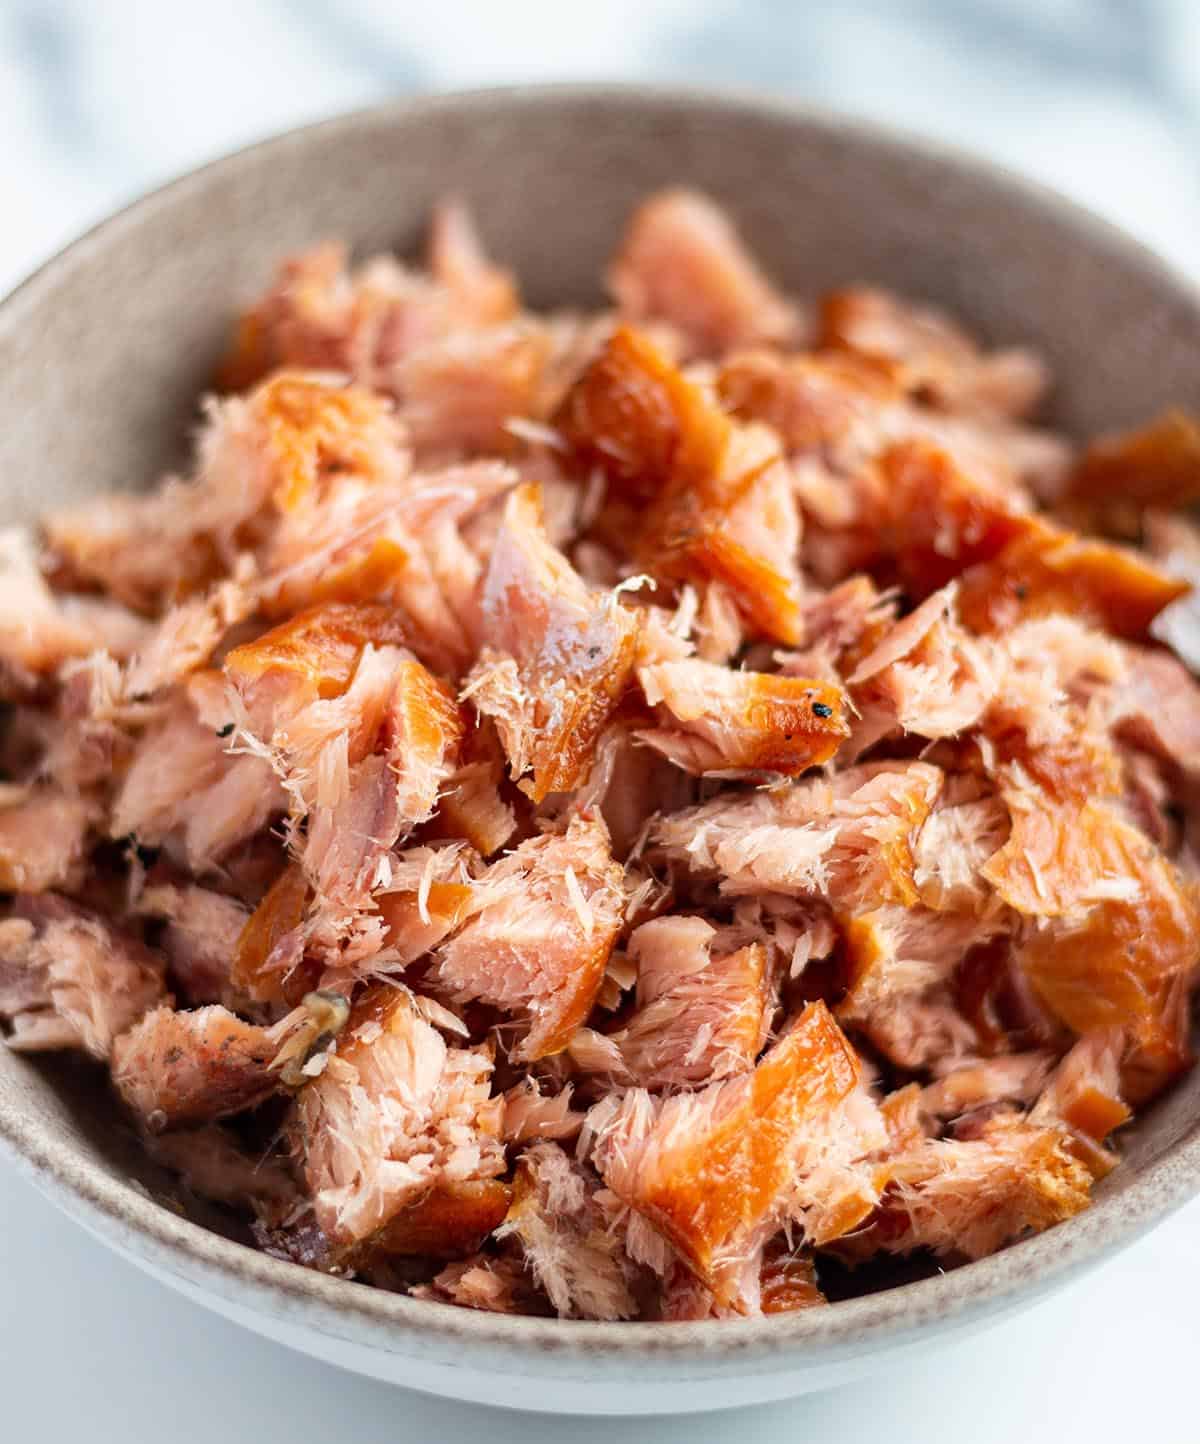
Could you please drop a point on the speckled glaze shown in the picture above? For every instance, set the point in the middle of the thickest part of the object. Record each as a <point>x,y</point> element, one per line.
<point>104,353</point>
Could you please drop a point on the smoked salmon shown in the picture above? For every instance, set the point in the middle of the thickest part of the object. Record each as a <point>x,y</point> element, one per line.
<point>622,814</point>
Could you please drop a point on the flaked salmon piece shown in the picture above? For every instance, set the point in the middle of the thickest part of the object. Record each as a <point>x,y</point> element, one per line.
<point>921,495</point>
<point>1061,687</point>
<point>881,810</point>
<point>849,838</point>
<point>185,638</point>
<point>927,673</point>
<point>1172,540</point>
<point>40,631</point>
<point>449,1221</point>
<point>574,340</point>
<point>403,544</point>
<point>482,291</point>
<point>213,1164</point>
<point>422,732</point>
<point>800,935</point>
<point>1119,476</point>
<point>1117,961</point>
<point>702,1010</point>
<point>718,721</point>
<point>556,656</point>
<point>347,859</point>
<point>881,476</point>
<point>1062,772</point>
<point>1061,860</point>
<point>265,963</point>
<point>940,516</point>
<point>364,751</point>
<point>929,355</point>
<point>719,630</point>
<point>681,261</point>
<point>1160,709</point>
<point>395,1112</point>
<point>200,938</point>
<point>720,498</point>
<point>903,635</point>
<point>1158,1050</point>
<point>628,784</point>
<point>787,1283</point>
<point>816,402</point>
<point>982,1083</point>
<point>472,805</point>
<point>914,1030</point>
<point>538,946</point>
<point>175,1068</point>
<point>841,627</point>
<point>270,456</point>
<point>43,838</point>
<point>497,1285</point>
<point>969,1198</point>
<point>69,979</point>
<point>593,1053</point>
<point>683,1298</point>
<point>668,635</point>
<point>314,749</point>
<point>576,1261</point>
<point>1084,1094</point>
<point>634,415</point>
<point>459,394</point>
<point>312,656</point>
<point>142,550</point>
<point>429,894</point>
<point>305,318</point>
<point>769,840</point>
<point>905,1121</point>
<point>318,313</point>
<point>716,1171</point>
<point>738,525</point>
<point>87,741</point>
<point>788,1280</point>
<point>949,852</point>
<point>1146,799</point>
<point>1047,569</point>
<point>531,1115</point>
<point>902,953</point>
<point>185,792</point>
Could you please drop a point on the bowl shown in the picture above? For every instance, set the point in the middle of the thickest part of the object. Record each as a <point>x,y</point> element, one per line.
<point>104,353</point>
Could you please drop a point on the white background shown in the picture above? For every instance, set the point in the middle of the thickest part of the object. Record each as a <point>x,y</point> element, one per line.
<point>100,99</point>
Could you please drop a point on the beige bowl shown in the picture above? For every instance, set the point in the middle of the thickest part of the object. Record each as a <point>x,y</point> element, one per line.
<point>104,353</point>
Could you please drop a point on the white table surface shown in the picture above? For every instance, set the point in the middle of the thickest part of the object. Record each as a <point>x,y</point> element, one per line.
<point>99,101</point>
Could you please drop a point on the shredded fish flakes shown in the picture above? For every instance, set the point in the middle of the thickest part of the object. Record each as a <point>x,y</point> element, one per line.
<point>645,810</point>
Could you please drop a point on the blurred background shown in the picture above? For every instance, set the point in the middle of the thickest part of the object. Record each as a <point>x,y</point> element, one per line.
<point>100,99</point>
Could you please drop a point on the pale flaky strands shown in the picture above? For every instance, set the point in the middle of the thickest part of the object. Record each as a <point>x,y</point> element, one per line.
<point>644,815</point>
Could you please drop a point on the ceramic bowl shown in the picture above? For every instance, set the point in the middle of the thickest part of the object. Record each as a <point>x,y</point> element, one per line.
<point>104,353</point>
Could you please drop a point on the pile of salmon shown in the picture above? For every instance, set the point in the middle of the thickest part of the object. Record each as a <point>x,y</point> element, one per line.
<point>616,815</point>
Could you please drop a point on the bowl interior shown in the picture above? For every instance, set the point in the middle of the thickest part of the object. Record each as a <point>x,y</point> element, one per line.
<point>105,352</point>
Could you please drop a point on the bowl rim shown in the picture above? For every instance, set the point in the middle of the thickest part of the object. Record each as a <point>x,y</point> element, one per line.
<point>119,1210</point>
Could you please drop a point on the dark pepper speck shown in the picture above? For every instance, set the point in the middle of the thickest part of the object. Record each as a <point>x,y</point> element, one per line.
<point>822,709</point>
